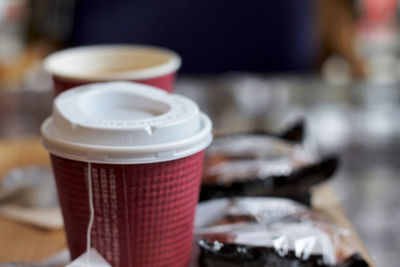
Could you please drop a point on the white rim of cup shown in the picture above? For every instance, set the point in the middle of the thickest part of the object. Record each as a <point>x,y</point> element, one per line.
<point>54,63</point>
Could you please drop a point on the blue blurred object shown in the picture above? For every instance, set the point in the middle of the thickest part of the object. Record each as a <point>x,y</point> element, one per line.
<point>211,36</point>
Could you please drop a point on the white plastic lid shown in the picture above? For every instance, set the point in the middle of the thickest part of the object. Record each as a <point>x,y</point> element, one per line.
<point>124,122</point>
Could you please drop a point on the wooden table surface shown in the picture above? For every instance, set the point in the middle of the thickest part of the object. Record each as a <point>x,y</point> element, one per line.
<point>19,242</point>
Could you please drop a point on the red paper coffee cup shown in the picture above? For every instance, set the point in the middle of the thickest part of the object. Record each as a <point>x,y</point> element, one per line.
<point>149,65</point>
<point>143,151</point>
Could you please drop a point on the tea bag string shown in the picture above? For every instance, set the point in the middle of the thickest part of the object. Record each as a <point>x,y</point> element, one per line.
<point>91,216</point>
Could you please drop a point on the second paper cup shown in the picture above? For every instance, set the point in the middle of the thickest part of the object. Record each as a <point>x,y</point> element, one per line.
<point>150,65</point>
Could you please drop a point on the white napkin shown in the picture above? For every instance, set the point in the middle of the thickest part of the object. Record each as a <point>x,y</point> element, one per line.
<point>47,218</point>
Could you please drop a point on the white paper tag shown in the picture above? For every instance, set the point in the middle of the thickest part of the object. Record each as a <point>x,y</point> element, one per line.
<point>91,258</point>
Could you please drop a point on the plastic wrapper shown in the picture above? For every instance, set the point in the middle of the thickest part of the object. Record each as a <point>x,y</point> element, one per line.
<point>262,231</point>
<point>235,158</point>
<point>261,164</point>
<point>31,186</point>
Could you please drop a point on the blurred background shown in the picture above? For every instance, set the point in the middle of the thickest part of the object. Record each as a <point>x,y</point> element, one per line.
<point>257,65</point>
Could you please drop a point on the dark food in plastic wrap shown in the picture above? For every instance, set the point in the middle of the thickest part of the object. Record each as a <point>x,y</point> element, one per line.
<point>270,232</point>
<point>232,255</point>
<point>262,165</point>
<point>294,133</point>
<point>237,157</point>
